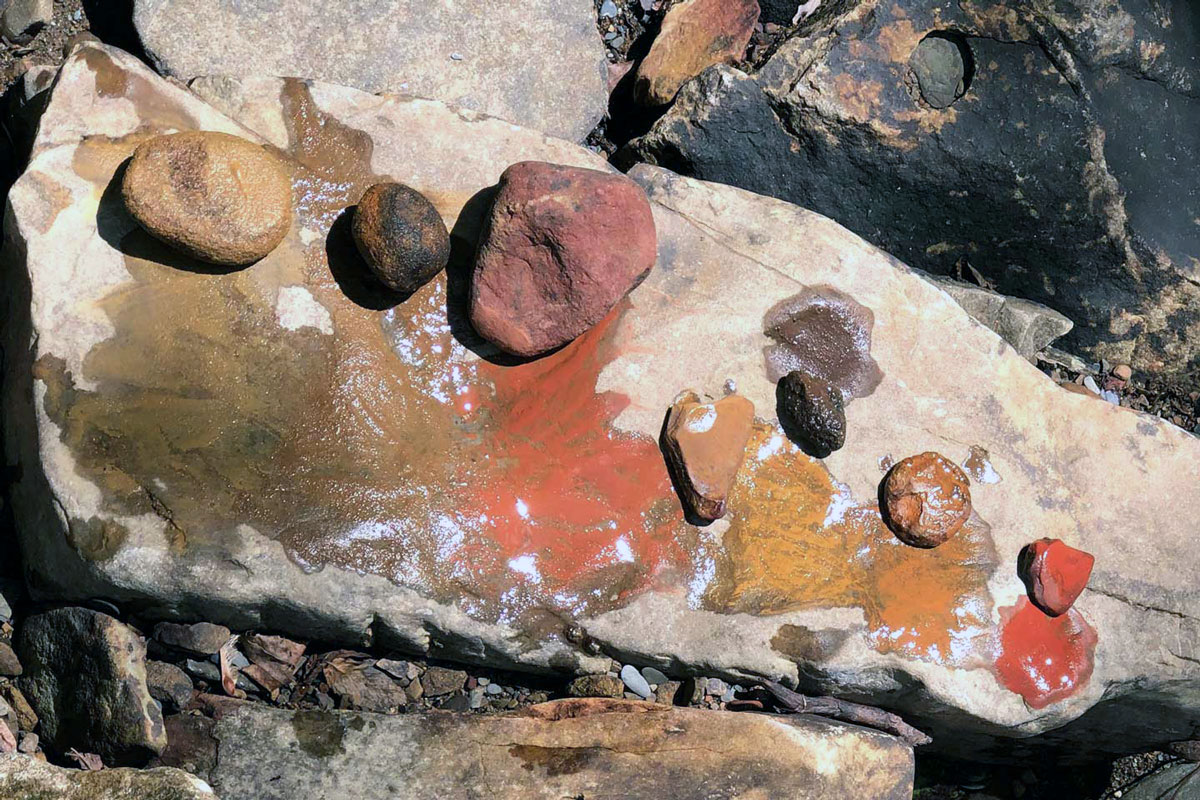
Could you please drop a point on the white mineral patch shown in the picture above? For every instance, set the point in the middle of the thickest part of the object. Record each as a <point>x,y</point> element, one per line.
<point>704,422</point>
<point>296,308</point>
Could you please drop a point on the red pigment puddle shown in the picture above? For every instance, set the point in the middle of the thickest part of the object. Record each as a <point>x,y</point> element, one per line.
<point>568,510</point>
<point>1044,659</point>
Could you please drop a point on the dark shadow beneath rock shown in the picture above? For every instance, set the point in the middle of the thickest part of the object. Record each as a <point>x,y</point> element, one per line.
<point>351,272</point>
<point>117,228</point>
<point>464,241</point>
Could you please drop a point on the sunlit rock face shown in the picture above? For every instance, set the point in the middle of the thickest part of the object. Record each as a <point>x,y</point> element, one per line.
<point>284,447</point>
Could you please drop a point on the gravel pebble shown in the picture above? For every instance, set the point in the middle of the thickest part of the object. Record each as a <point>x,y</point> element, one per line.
<point>634,681</point>
<point>654,676</point>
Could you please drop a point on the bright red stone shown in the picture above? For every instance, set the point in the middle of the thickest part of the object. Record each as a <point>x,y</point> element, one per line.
<point>1055,574</point>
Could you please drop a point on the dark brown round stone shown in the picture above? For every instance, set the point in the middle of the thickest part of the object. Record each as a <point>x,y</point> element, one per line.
<point>926,500</point>
<point>401,236</point>
<point>812,413</point>
<point>217,197</point>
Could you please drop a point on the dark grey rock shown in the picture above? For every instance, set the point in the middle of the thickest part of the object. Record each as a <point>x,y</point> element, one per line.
<point>10,665</point>
<point>1177,782</point>
<point>1068,174</point>
<point>200,638</point>
<point>653,675</point>
<point>168,684</point>
<point>812,412</point>
<point>940,70</point>
<point>439,680</point>
<point>85,675</point>
<point>204,670</point>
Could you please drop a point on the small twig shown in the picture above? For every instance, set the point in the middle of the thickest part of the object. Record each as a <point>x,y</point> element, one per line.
<point>847,712</point>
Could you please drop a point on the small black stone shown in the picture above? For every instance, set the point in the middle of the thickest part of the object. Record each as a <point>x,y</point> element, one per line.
<point>812,413</point>
<point>401,236</point>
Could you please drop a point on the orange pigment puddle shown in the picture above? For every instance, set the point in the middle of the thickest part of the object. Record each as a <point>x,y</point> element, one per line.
<point>1042,658</point>
<point>797,540</point>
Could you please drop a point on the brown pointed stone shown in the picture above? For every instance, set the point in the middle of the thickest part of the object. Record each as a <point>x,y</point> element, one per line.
<point>705,444</point>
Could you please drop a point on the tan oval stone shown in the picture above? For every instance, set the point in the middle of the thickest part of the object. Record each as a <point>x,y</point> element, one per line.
<point>214,196</point>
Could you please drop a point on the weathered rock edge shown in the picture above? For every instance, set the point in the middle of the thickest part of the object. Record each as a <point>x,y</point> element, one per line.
<point>566,748</point>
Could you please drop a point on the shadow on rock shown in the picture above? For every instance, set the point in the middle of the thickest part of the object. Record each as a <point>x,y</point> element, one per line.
<point>350,271</point>
<point>117,228</point>
<point>464,241</point>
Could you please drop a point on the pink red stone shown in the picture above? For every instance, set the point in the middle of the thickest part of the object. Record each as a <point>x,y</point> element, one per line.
<point>1055,574</point>
<point>561,247</point>
<point>695,35</point>
<point>705,444</point>
<point>926,500</point>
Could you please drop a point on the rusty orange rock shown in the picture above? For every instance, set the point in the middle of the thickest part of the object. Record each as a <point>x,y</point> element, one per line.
<point>705,444</point>
<point>926,499</point>
<point>695,35</point>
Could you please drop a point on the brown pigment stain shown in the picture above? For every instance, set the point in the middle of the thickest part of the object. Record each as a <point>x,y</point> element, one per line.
<point>796,542</point>
<point>52,197</point>
<point>383,448</point>
<point>827,334</point>
<point>156,109</point>
<point>806,645</point>
<point>555,761</point>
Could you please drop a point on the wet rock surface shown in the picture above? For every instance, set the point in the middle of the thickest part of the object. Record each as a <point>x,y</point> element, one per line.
<point>1093,98</point>
<point>812,412</point>
<point>538,64</point>
<point>25,777</point>
<point>705,445</point>
<point>85,675</point>
<point>562,749</point>
<point>926,499</point>
<point>801,579</point>
<point>212,196</point>
<point>401,236</point>
<point>695,34</point>
<point>562,246</point>
<point>1055,574</point>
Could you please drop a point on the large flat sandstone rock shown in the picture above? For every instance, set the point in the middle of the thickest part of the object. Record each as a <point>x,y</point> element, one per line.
<point>275,448</point>
<point>568,748</point>
<point>540,64</point>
